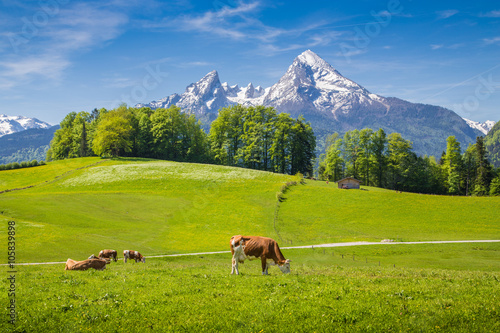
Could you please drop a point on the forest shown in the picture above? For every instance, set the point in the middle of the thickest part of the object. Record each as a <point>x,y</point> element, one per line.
<point>250,137</point>
<point>388,161</point>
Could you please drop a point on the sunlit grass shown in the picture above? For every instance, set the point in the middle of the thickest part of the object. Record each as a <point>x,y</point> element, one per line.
<point>323,293</point>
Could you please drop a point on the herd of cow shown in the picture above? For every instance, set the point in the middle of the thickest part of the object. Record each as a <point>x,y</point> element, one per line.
<point>100,262</point>
<point>242,248</point>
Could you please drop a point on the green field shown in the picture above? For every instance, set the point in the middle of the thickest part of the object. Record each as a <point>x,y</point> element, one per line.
<point>78,207</point>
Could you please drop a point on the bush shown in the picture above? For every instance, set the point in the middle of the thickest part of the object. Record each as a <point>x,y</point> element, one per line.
<point>24,164</point>
<point>495,186</point>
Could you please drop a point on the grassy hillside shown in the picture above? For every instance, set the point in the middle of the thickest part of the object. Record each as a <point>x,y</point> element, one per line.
<point>157,207</point>
<point>319,212</point>
<point>78,207</point>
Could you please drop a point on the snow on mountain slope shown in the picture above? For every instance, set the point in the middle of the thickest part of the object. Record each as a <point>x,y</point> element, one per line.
<point>311,83</point>
<point>13,124</point>
<point>483,127</point>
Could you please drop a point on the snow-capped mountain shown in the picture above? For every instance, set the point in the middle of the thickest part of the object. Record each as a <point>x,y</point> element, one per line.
<point>331,102</point>
<point>13,124</point>
<point>483,127</point>
<point>312,84</point>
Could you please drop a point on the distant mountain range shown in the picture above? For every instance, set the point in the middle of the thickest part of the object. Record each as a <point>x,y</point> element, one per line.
<point>332,103</point>
<point>482,127</point>
<point>13,124</point>
<point>26,145</point>
<point>310,87</point>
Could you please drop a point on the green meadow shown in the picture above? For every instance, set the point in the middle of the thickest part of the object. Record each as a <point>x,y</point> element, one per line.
<point>80,206</point>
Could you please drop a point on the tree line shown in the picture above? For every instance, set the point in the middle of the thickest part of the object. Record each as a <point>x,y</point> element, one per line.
<point>251,137</point>
<point>388,161</point>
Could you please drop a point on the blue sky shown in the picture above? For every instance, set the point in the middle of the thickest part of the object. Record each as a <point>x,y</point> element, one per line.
<point>58,56</point>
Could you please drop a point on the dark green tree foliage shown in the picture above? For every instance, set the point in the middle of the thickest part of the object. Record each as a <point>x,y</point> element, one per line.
<point>332,164</point>
<point>259,138</point>
<point>453,165</point>
<point>492,144</point>
<point>484,169</point>
<point>389,162</point>
<point>379,149</point>
<point>399,161</point>
<point>469,163</point>
<point>303,147</point>
<point>495,186</point>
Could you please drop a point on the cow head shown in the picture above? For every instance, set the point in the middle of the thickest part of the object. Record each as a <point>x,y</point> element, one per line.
<point>143,259</point>
<point>285,266</point>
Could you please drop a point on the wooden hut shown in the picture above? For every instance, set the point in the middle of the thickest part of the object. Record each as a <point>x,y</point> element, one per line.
<point>348,183</point>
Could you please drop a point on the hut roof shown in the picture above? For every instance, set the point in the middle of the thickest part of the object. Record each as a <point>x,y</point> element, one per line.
<point>349,178</point>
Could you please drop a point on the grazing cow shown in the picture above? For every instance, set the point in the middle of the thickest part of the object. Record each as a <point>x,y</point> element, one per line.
<point>253,247</point>
<point>127,254</point>
<point>73,265</point>
<point>108,254</point>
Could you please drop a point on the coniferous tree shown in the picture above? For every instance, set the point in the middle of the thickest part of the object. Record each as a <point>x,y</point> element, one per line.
<point>453,165</point>
<point>483,178</point>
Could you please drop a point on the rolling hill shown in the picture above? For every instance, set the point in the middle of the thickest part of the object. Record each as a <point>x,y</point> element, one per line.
<point>80,206</point>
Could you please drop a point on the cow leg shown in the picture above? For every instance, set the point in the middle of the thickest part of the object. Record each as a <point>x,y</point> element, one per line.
<point>264,265</point>
<point>234,266</point>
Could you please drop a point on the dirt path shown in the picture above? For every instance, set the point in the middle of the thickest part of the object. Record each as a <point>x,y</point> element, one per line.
<point>286,248</point>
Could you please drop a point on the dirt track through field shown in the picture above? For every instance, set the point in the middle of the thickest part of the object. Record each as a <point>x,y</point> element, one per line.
<point>285,248</point>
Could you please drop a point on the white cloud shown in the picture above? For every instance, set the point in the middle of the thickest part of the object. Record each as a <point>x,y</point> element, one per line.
<point>490,41</point>
<point>447,13</point>
<point>45,66</point>
<point>493,13</point>
<point>47,50</point>
<point>436,46</point>
<point>241,23</point>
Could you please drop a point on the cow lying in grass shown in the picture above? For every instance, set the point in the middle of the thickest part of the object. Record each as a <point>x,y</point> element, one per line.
<point>254,247</point>
<point>128,254</point>
<point>73,265</point>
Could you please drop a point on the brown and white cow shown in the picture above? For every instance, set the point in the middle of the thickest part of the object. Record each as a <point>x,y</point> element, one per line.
<point>254,247</point>
<point>73,265</point>
<point>128,254</point>
<point>108,254</point>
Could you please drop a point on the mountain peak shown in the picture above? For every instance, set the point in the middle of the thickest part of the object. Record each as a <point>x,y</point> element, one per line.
<point>310,58</point>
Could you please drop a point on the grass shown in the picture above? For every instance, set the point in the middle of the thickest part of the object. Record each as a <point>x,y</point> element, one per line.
<point>155,207</point>
<point>78,207</point>
<point>18,178</point>
<point>197,294</point>
<point>318,212</point>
